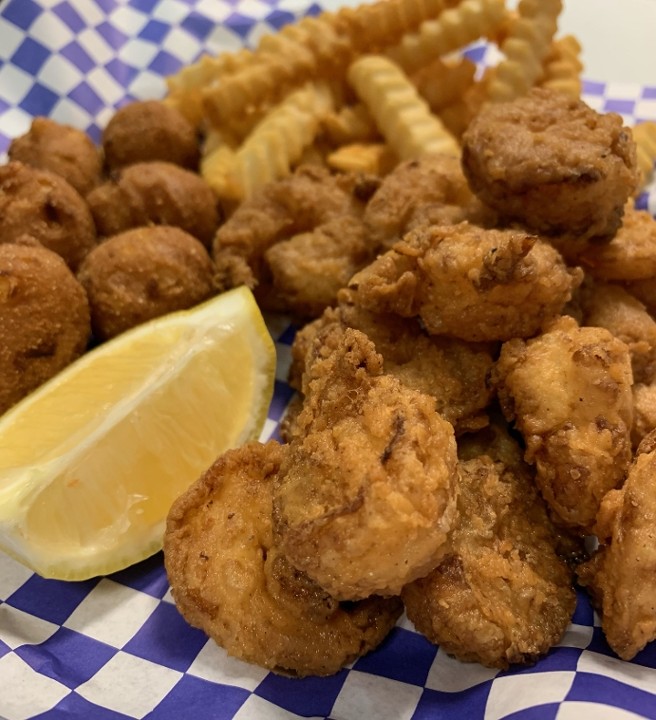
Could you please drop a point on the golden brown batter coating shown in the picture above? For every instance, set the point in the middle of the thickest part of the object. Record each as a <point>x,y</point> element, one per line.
<point>366,494</point>
<point>501,595</point>
<point>147,130</point>
<point>44,319</point>
<point>568,392</point>
<point>142,274</point>
<point>62,149</point>
<point>468,282</point>
<point>621,576</point>
<point>644,412</point>
<point>454,372</point>
<point>552,163</point>
<point>155,193</point>
<point>229,578</point>
<point>43,205</point>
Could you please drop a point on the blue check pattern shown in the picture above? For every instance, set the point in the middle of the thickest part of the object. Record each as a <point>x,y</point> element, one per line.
<point>115,648</point>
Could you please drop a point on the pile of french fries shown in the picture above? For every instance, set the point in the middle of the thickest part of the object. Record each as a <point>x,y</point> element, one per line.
<point>364,88</point>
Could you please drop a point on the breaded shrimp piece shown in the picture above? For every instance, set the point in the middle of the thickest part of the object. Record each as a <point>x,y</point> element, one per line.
<point>452,371</point>
<point>147,130</point>
<point>631,253</point>
<point>155,193</point>
<point>365,496</point>
<point>61,149</point>
<point>44,319</point>
<point>644,412</point>
<point>501,595</point>
<point>468,282</point>
<point>621,576</point>
<point>612,307</point>
<point>229,578</point>
<point>568,391</point>
<point>551,162</point>
<point>43,205</point>
<point>315,217</point>
<point>142,274</point>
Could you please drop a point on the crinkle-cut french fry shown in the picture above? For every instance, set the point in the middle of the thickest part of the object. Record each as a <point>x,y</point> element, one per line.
<point>350,124</point>
<point>451,30</point>
<point>373,158</point>
<point>217,169</point>
<point>372,27</point>
<point>275,144</point>
<point>456,117</point>
<point>644,134</point>
<point>402,116</point>
<point>443,82</point>
<point>562,66</point>
<point>525,48</point>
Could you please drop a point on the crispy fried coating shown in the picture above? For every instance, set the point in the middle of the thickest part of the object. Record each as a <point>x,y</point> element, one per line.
<point>297,241</point>
<point>142,274</point>
<point>43,205</point>
<point>229,578</point>
<point>621,576</point>
<point>551,162</point>
<point>612,307</point>
<point>44,319</point>
<point>155,193</point>
<point>432,187</point>
<point>366,494</point>
<point>631,253</point>
<point>61,149</point>
<point>501,595</point>
<point>452,371</point>
<point>568,391</point>
<point>147,130</point>
<point>644,412</point>
<point>468,282</point>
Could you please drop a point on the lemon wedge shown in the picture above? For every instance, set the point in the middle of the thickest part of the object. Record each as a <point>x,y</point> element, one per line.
<point>92,460</point>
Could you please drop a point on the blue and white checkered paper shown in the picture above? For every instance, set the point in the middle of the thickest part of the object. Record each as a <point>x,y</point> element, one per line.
<point>114,648</point>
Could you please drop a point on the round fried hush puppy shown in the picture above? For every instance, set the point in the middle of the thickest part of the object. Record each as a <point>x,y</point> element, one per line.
<point>365,496</point>
<point>43,205</point>
<point>468,282</point>
<point>551,162</point>
<point>147,130</point>
<point>155,193</point>
<point>229,579</point>
<point>44,319</point>
<point>568,391</point>
<point>62,149</point>
<point>621,576</point>
<point>501,595</point>
<point>142,274</point>
<point>452,371</point>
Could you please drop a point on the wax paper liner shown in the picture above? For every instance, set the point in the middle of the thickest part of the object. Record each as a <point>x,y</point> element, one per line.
<point>116,647</point>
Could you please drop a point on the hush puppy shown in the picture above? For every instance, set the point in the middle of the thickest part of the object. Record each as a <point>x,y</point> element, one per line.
<point>44,319</point>
<point>144,273</point>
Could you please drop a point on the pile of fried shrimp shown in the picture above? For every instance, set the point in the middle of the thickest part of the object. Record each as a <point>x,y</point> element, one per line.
<point>475,360</point>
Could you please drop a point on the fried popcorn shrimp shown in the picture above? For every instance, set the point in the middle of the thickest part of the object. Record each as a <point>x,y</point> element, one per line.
<point>612,307</point>
<point>630,254</point>
<point>552,163</point>
<point>468,282</point>
<point>365,496</point>
<point>44,319</point>
<point>452,371</point>
<point>142,274</point>
<point>155,193</point>
<point>229,578</point>
<point>61,149</point>
<point>644,412</point>
<point>315,216</point>
<point>568,391</point>
<point>431,180</point>
<point>43,205</point>
<point>147,130</point>
<point>621,576</point>
<point>501,595</point>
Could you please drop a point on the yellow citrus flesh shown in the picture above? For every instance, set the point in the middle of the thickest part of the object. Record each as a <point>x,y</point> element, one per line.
<point>91,462</point>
